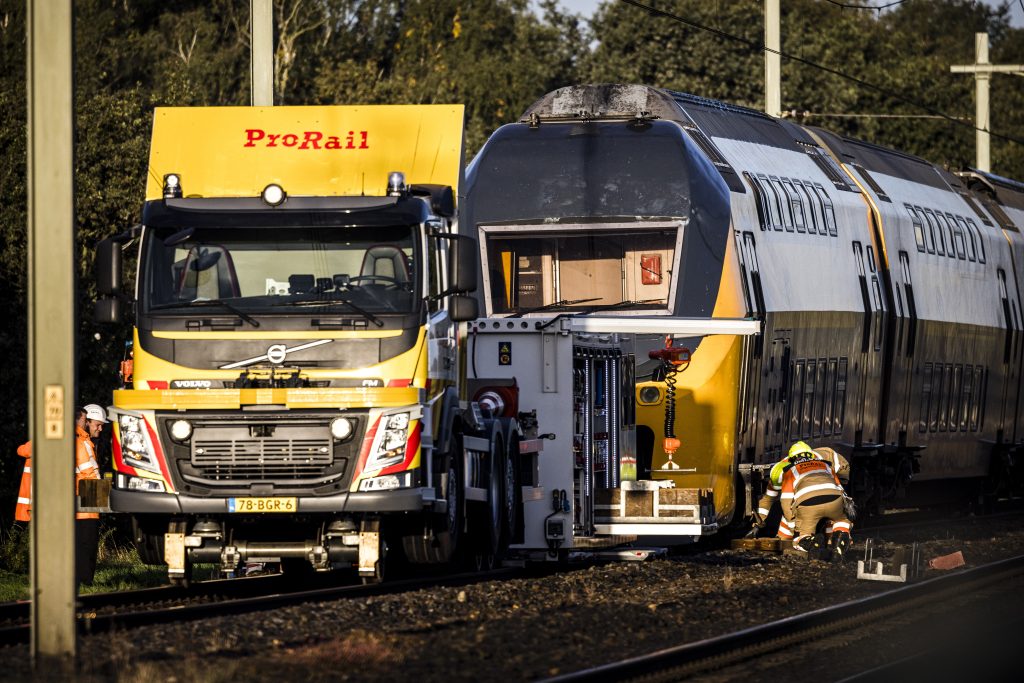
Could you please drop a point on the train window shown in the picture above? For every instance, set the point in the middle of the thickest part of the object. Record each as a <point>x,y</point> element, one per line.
<point>820,398</point>
<point>796,205</point>
<point>965,413</point>
<point>830,168</point>
<point>955,398</point>
<point>826,209</point>
<point>918,227</point>
<point>971,245</point>
<point>785,206</point>
<point>814,223</point>
<point>872,184</point>
<point>981,240</point>
<point>807,413</point>
<point>982,401</point>
<point>760,201</point>
<point>796,390</point>
<point>858,254</point>
<point>929,234</point>
<point>871,257</point>
<point>830,397</point>
<point>774,202</point>
<point>933,414</point>
<point>947,371</point>
<point>977,397</point>
<point>977,210</point>
<point>948,232</point>
<point>959,238</point>
<point>840,410</point>
<point>926,394</point>
<point>936,232</point>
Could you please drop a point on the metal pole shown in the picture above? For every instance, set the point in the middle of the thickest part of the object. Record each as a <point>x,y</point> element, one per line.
<point>772,59</point>
<point>981,116</point>
<point>262,14</point>
<point>51,333</point>
<point>983,70</point>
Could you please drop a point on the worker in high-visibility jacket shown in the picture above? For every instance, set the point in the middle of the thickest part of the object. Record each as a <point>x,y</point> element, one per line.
<point>808,486</point>
<point>23,508</point>
<point>87,524</point>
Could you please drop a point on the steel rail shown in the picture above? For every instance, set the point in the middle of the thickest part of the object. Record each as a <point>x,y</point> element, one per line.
<point>91,620</point>
<point>776,635</point>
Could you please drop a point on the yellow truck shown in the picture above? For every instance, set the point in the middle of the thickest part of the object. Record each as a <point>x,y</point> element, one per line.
<point>295,355</point>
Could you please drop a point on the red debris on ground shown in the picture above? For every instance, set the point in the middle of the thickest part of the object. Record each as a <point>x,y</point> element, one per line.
<point>951,561</point>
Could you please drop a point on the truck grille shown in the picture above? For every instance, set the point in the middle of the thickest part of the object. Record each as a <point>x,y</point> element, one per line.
<point>262,458</point>
<point>288,453</point>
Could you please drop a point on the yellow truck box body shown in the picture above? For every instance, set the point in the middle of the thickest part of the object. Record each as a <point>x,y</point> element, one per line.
<point>309,151</point>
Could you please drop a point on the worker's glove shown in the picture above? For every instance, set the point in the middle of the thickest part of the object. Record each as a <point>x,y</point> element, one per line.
<point>758,519</point>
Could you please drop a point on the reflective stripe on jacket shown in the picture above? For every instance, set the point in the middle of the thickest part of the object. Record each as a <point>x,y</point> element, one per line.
<point>23,509</point>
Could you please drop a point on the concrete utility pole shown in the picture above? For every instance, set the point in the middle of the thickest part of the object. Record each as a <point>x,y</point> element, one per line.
<point>262,16</point>
<point>983,71</point>
<point>51,335</point>
<point>772,59</point>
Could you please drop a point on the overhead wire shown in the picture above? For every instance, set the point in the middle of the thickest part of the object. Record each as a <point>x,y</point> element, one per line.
<point>761,47</point>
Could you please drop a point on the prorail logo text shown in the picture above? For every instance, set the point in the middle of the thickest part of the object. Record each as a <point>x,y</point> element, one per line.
<point>308,139</point>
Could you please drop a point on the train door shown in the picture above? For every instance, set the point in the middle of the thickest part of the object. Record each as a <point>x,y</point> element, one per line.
<point>868,388</point>
<point>757,425</point>
<point>905,339</point>
<point>1012,322</point>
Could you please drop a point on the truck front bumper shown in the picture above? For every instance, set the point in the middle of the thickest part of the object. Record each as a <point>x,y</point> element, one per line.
<point>397,500</point>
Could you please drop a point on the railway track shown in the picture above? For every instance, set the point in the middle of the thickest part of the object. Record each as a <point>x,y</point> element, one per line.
<point>784,643</point>
<point>102,612</point>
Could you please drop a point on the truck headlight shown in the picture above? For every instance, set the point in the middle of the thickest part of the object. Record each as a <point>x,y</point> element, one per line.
<point>389,444</point>
<point>136,446</point>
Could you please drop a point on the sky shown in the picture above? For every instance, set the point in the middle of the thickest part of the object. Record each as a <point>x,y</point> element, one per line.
<point>587,7</point>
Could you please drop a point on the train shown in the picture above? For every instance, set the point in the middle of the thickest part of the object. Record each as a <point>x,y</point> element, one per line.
<point>887,290</point>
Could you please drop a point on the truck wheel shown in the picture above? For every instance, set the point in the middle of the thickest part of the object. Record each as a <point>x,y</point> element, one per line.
<point>149,541</point>
<point>435,538</point>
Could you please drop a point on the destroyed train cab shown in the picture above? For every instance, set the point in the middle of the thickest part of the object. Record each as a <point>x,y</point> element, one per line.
<point>294,379</point>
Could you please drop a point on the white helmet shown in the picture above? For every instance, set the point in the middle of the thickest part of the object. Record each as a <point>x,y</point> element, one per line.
<point>95,412</point>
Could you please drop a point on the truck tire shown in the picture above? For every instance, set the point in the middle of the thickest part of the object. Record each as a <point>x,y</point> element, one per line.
<point>434,538</point>
<point>149,540</point>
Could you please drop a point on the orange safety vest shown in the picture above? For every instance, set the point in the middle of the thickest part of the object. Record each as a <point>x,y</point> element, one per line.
<point>807,479</point>
<point>86,466</point>
<point>23,509</point>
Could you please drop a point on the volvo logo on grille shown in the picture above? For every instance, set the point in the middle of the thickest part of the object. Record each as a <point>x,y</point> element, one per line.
<point>276,354</point>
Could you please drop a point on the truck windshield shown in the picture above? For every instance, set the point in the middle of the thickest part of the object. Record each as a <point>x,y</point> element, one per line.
<point>281,270</point>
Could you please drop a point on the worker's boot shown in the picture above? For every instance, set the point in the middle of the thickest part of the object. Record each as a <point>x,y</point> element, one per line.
<point>840,543</point>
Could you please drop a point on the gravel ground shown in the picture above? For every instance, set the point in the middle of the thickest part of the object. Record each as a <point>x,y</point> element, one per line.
<point>520,629</point>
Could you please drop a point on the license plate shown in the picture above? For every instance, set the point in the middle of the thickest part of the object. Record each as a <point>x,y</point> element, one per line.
<point>262,505</point>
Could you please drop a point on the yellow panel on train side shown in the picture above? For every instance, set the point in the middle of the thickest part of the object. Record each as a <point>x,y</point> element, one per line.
<point>309,151</point>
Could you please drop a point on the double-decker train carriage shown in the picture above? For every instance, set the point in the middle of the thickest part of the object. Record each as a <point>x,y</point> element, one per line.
<point>888,288</point>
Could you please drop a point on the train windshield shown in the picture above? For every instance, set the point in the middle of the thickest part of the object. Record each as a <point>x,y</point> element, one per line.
<point>281,270</point>
<point>620,266</point>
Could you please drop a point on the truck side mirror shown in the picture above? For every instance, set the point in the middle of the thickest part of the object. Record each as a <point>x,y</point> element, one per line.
<point>107,311</point>
<point>108,267</point>
<point>462,260</point>
<point>462,308</point>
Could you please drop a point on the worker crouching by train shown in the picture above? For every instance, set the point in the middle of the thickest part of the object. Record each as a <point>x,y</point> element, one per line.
<point>808,484</point>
